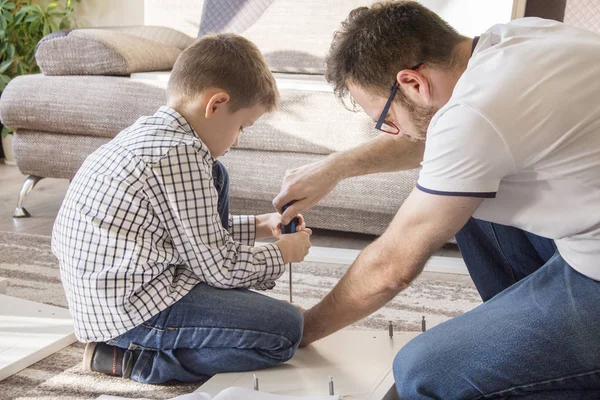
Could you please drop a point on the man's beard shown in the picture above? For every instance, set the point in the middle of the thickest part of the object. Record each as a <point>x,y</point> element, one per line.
<point>420,118</point>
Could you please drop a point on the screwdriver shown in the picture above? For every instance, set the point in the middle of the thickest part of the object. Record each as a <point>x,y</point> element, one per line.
<point>286,229</point>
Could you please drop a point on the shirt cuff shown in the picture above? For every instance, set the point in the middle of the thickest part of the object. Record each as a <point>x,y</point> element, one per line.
<point>242,229</point>
<point>270,261</point>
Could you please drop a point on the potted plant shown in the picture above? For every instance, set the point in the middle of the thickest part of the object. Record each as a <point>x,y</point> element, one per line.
<point>22,25</point>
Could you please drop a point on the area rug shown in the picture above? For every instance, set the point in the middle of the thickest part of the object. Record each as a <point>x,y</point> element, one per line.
<point>32,271</point>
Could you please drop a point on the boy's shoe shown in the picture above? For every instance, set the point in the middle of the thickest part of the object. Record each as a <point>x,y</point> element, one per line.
<point>110,360</point>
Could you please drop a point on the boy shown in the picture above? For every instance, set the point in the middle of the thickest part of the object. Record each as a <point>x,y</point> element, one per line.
<point>146,245</point>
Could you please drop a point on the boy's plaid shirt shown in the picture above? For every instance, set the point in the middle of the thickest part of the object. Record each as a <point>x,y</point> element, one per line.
<point>139,228</point>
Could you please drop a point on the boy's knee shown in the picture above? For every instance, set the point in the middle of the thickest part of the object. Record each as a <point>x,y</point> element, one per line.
<point>294,325</point>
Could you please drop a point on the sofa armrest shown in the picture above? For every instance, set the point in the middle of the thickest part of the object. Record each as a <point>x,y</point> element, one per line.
<point>110,51</point>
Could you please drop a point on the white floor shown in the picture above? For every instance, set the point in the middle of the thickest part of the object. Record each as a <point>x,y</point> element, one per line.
<point>30,332</point>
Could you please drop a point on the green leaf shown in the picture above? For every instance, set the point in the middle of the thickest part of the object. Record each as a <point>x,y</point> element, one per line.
<point>9,6</point>
<point>53,25</point>
<point>5,130</point>
<point>34,28</point>
<point>19,18</point>
<point>27,9</point>
<point>3,2</point>
<point>52,5</point>
<point>5,78</point>
<point>5,65</point>
<point>46,30</point>
<point>2,86</point>
<point>9,17</point>
<point>3,24</point>
<point>32,17</point>
<point>11,51</point>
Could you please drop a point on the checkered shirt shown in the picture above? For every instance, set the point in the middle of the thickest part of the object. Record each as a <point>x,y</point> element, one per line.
<point>139,228</point>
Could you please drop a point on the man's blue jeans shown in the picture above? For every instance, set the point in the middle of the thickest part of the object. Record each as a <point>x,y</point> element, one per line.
<point>537,336</point>
<point>211,330</point>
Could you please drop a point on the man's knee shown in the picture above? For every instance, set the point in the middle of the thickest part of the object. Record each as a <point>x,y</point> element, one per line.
<point>409,367</point>
<point>421,368</point>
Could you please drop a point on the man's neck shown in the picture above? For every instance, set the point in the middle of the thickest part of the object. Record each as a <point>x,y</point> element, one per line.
<point>447,79</point>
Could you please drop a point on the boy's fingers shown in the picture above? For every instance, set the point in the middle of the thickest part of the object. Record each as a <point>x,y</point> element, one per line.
<point>308,231</point>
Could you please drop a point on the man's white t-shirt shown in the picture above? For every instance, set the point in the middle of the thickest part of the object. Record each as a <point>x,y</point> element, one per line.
<point>522,130</point>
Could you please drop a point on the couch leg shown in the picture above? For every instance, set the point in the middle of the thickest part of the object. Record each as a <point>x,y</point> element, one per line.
<point>28,185</point>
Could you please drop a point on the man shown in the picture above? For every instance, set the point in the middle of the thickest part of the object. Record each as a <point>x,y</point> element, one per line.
<point>507,127</point>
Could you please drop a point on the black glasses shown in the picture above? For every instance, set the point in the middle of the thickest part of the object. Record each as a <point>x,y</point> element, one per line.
<point>389,126</point>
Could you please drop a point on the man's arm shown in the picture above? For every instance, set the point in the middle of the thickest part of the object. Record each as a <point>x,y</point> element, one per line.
<point>307,185</point>
<point>387,266</point>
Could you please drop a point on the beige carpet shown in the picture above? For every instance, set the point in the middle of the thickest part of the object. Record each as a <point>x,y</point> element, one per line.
<point>32,270</point>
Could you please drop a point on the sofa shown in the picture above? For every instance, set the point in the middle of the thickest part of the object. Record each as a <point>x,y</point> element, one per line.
<point>95,82</point>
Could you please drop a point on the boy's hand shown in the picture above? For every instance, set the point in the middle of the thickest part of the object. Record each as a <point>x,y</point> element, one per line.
<point>294,247</point>
<point>269,225</point>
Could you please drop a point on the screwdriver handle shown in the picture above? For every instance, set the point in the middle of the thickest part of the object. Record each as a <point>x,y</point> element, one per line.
<point>291,227</point>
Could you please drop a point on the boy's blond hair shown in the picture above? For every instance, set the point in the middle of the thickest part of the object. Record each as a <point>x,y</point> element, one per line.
<point>228,62</point>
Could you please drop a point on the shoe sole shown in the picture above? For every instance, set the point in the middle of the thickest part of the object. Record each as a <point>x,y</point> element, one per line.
<point>88,356</point>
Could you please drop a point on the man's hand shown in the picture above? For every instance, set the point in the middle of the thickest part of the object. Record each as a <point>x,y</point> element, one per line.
<point>388,265</point>
<point>309,184</point>
<point>269,225</point>
<point>305,185</point>
<point>294,247</point>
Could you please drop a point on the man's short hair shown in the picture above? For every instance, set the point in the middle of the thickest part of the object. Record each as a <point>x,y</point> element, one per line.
<point>376,42</point>
<point>225,61</point>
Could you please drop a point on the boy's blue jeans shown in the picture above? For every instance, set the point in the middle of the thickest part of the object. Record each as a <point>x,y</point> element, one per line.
<point>211,330</point>
<point>537,336</point>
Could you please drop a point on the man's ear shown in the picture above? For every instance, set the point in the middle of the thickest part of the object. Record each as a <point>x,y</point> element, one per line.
<point>215,103</point>
<point>414,84</point>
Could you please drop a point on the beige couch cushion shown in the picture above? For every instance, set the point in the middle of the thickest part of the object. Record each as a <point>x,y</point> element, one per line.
<point>167,36</point>
<point>103,52</point>
<point>99,106</point>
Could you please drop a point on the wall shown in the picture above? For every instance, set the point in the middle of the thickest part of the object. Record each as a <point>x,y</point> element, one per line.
<point>95,13</point>
<point>469,17</point>
<point>472,17</point>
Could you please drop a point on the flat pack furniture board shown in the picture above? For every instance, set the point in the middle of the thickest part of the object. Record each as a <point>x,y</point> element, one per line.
<point>360,363</point>
<point>30,332</point>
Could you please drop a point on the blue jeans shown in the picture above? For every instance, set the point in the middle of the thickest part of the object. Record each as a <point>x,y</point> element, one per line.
<point>210,330</point>
<point>536,336</point>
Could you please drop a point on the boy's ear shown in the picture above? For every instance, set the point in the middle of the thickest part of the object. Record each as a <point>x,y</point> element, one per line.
<point>215,102</point>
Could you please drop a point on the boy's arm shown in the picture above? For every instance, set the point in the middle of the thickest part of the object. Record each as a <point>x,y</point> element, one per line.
<point>242,228</point>
<point>182,194</point>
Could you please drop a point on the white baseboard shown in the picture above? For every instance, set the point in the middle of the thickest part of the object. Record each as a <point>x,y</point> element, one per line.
<point>438,263</point>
